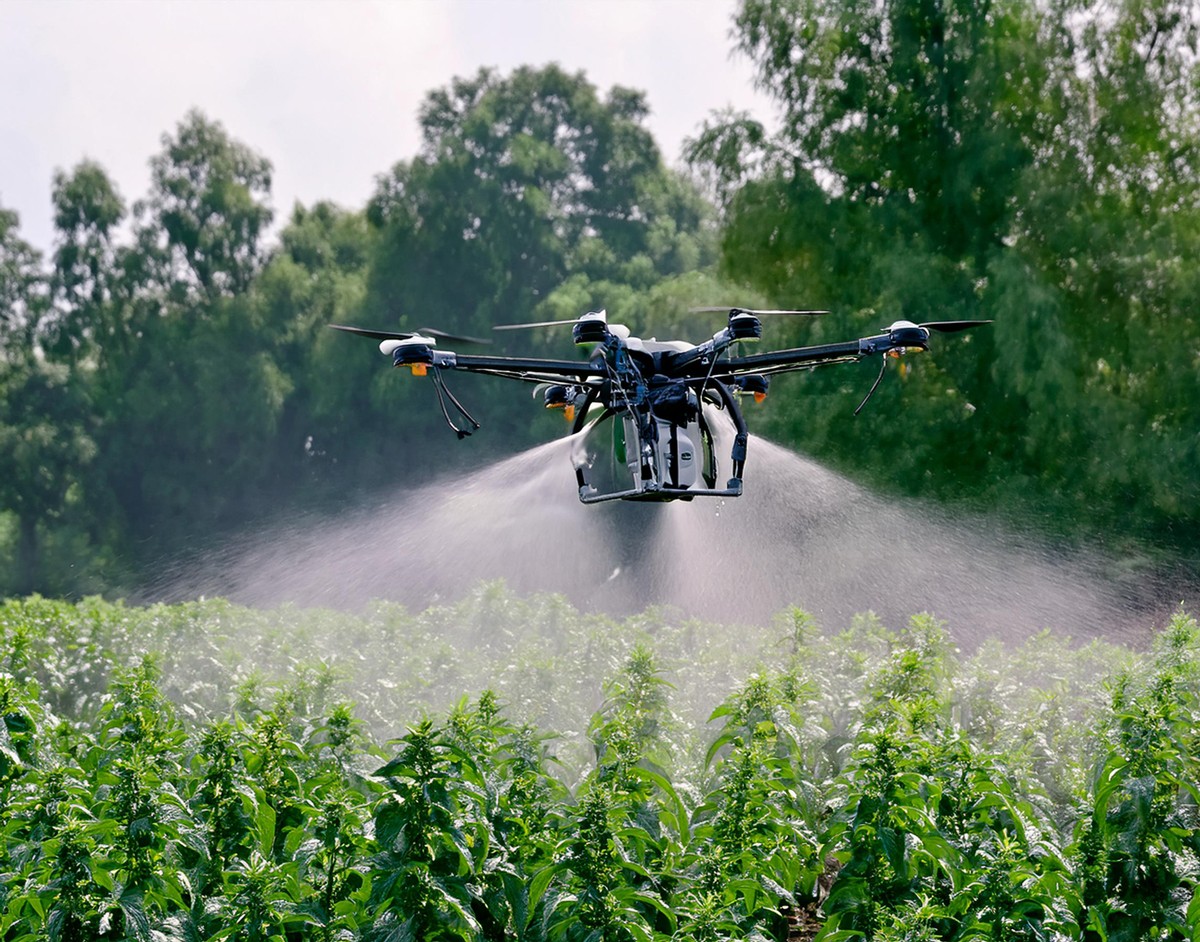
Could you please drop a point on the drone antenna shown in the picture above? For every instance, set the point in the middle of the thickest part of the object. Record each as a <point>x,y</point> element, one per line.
<point>874,385</point>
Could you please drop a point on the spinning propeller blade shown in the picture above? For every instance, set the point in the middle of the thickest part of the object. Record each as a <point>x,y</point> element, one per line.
<point>374,334</point>
<point>408,334</point>
<point>534,324</point>
<point>601,316</point>
<point>453,338</point>
<point>756,313</point>
<point>950,327</point>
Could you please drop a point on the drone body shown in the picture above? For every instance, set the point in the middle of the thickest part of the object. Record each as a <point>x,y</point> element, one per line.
<point>641,410</point>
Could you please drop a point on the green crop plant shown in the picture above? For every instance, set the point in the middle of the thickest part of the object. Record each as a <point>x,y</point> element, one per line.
<point>429,832</point>
<point>1139,843</point>
<point>857,784</point>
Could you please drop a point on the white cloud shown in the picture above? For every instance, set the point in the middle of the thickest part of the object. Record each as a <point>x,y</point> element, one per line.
<point>328,91</point>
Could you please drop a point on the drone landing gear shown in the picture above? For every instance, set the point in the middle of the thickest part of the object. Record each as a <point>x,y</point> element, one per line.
<point>656,493</point>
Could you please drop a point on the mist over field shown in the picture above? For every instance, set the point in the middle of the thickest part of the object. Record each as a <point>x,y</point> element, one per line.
<point>800,536</point>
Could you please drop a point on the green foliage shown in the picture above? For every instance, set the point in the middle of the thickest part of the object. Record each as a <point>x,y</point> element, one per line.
<point>533,197</point>
<point>1143,814</point>
<point>521,181</point>
<point>178,330</point>
<point>43,428</point>
<point>1028,163</point>
<point>862,784</point>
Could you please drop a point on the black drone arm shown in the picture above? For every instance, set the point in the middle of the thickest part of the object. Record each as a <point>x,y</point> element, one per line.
<point>799,358</point>
<point>901,336</point>
<point>530,370</point>
<point>417,349</point>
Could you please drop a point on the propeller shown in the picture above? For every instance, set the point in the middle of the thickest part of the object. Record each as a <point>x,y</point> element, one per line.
<point>756,313</point>
<point>590,316</point>
<point>534,324</point>
<point>409,334</point>
<point>950,327</point>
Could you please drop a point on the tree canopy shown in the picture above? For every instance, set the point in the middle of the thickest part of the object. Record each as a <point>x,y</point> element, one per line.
<point>1032,163</point>
<point>196,384</point>
<point>521,183</point>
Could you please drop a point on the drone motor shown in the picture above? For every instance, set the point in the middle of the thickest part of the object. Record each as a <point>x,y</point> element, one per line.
<point>415,352</point>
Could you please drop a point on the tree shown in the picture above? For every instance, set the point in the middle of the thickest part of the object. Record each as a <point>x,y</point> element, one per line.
<point>330,420</point>
<point>207,209</point>
<point>520,182</point>
<point>1093,291</point>
<point>1034,164</point>
<point>87,211</point>
<point>42,433</point>
<point>184,424</point>
<point>525,184</point>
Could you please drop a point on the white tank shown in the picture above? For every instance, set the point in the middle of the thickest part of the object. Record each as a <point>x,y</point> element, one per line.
<point>682,451</point>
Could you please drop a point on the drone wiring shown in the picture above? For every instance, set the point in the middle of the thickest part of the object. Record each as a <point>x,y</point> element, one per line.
<point>444,393</point>
<point>874,385</point>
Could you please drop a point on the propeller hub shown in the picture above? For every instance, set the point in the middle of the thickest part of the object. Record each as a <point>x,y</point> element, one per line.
<point>744,326</point>
<point>415,352</point>
<point>908,334</point>
<point>389,347</point>
<point>589,329</point>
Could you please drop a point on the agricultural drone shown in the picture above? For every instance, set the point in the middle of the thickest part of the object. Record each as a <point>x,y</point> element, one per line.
<point>641,411</point>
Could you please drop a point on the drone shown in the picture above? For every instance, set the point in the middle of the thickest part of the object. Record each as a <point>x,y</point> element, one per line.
<point>642,410</point>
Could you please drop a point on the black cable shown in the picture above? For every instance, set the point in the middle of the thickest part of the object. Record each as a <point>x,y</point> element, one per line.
<point>443,392</point>
<point>874,385</point>
<point>459,406</point>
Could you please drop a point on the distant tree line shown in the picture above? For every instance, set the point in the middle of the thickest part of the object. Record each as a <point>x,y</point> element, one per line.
<point>166,374</point>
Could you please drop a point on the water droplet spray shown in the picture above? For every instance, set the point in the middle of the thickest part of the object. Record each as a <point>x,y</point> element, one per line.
<point>800,535</point>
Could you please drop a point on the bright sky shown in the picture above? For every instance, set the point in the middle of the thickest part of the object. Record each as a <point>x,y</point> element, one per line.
<point>328,91</point>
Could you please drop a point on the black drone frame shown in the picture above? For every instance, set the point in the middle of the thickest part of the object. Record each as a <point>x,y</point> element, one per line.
<point>655,389</point>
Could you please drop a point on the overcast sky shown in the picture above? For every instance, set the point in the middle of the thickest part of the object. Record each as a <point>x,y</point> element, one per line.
<point>328,91</point>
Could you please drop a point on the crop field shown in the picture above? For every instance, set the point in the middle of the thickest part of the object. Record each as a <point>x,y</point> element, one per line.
<point>509,768</point>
